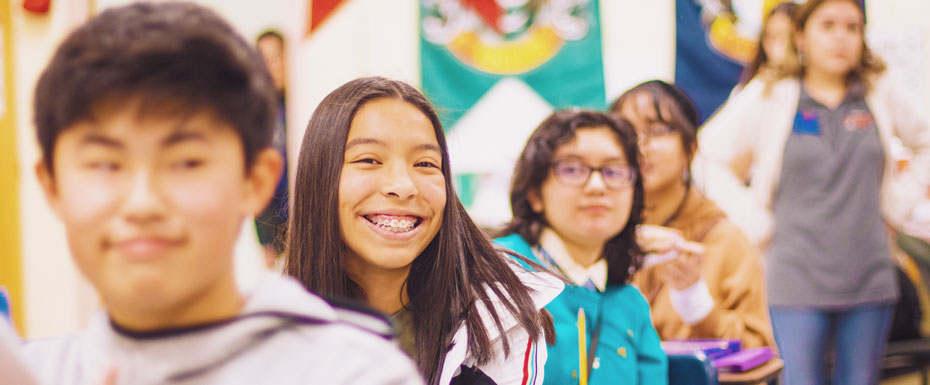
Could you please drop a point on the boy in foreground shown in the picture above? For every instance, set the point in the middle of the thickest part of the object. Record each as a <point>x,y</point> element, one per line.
<point>155,125</point>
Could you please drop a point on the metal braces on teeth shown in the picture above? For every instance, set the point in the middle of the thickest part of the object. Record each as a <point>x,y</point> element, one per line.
<point>394,225</point>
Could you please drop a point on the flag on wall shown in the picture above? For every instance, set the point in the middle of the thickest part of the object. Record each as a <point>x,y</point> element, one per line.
<point>469,45</point>
<point>496,68</point>
<point>319,12</point>
<point>712,42</point>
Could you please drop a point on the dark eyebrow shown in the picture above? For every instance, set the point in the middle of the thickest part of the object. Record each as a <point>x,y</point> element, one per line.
<point>361,141</point>
<point>183,135</point>
<point>567,157</point>
<point>578,158</point>
<point>101,140</point>
<point>429,147</point>
<point>657,120</point>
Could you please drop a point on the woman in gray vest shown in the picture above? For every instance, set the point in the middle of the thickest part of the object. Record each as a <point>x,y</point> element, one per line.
<point>823,188</point>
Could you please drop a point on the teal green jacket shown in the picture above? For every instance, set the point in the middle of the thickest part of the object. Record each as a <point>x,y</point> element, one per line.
<point>628,351</point>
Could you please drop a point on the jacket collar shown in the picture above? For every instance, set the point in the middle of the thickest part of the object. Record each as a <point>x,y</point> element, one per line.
<point>275,303</point>
<point>544,287</point>
<point>552,245</point>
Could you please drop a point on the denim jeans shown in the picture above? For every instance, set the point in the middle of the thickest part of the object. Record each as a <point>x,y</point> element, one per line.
<point>856,335</point>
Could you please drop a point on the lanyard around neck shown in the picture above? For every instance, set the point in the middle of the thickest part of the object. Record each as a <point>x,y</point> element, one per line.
<point>595,335</point>
<point>589,284</point>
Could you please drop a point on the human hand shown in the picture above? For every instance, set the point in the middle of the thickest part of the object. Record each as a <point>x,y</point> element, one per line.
<point>658,243</point>
<point>683,271</point>
<point>678,262</point>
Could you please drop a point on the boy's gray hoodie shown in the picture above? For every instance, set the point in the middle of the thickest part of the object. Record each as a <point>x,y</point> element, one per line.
<point>284,335</point>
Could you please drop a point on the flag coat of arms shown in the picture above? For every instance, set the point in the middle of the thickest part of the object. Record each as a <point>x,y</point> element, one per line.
<point>495,70</point>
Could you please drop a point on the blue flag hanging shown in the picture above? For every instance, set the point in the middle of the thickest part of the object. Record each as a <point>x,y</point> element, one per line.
<point>710,49</point>
<point>713,40</point>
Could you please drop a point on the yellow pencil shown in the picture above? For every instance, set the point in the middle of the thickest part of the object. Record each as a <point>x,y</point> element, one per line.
<point>582,350</point>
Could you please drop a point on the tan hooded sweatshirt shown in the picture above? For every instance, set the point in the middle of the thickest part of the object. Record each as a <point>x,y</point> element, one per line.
<point>732,269</point>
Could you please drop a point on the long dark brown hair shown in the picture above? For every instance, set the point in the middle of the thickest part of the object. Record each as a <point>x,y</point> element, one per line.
<point>447,281</point>
<point>533,167</point>
<point>673,108</point>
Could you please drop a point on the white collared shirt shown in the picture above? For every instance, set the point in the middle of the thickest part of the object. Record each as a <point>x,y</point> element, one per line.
<point>577,274</point>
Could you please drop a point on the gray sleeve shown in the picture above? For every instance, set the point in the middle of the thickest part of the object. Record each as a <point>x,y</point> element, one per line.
<point>12,368</point>
<point>389,367</point>
<point>357,357</point>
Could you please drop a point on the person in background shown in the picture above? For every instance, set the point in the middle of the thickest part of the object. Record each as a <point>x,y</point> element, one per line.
<point>271,223</point>
<point>155,122</point>
<point>718,290</point>
<point>824,191</point>
<point>376,220</point>
<point>576,200</point>
<point>774,48</point>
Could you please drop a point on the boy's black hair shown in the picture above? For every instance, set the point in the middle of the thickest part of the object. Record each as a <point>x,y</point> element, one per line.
<point>173,59</point>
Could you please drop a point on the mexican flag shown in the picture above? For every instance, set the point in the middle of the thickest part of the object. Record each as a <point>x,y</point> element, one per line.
<point>495,70</point>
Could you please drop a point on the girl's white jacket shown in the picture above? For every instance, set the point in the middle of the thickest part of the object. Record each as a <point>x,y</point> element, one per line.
<point>756,123</point>
<point>527,357</point>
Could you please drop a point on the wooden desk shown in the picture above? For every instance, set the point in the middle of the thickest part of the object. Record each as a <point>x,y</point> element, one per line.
<point>762,374</point>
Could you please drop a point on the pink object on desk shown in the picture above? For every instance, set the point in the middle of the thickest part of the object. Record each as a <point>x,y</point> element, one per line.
<point>712,348</point>
<point>743,360</point>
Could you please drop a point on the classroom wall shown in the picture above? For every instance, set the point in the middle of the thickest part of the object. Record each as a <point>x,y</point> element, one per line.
<point>363,37</point>
<point>898,31</point>
<point>56,299</point>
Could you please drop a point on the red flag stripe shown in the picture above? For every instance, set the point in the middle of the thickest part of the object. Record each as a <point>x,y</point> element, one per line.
<point>488,10</point>
<point>320,10</point>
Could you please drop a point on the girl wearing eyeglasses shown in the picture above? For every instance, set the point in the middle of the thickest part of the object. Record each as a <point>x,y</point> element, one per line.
<point>712,287</point>
<point>576,199</point>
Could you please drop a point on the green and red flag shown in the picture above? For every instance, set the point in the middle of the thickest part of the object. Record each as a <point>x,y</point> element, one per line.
<point>495,69</point>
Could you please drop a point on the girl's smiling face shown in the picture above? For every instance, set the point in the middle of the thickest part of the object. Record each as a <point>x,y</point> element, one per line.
<point>392,191</point>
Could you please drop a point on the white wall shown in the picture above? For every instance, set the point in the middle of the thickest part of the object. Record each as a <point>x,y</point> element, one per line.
<point>56,298</point>
<point>363,38</point>
<point>898,30</point>
<point>638,46</point>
